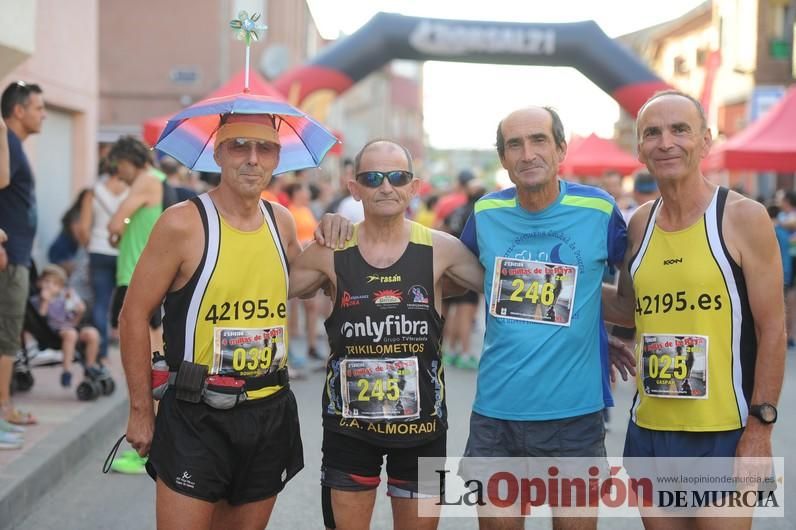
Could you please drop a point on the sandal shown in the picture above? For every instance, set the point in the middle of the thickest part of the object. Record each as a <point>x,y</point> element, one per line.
<point>17,417</point>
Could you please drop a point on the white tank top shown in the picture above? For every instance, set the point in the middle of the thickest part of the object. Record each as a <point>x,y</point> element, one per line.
<point>103,206</point>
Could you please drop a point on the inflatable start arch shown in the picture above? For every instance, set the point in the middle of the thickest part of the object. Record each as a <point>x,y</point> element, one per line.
<point>581,45</point>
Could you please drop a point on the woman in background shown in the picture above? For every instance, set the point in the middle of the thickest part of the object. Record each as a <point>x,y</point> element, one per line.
<point>96,209</point>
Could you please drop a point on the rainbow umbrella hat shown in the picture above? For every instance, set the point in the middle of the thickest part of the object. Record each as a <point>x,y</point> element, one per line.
<point>189,136</point>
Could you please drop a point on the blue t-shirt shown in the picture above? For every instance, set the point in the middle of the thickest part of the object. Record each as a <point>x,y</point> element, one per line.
<point>783,239</point>
<point>546,360</point>
<point>18,205</point>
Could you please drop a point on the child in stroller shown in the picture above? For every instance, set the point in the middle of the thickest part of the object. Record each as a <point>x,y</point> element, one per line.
<point>53,319</point>
<point>63,310</point>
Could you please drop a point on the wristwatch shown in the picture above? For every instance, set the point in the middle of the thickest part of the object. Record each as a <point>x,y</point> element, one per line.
<point>765,412</point>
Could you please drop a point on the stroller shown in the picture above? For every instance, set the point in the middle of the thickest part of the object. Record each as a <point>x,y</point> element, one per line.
<point>44,351</point>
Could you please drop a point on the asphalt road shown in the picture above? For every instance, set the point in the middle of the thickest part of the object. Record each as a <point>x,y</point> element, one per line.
<point>90,500</point>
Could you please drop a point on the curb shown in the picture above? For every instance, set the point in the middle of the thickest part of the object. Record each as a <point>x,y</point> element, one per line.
<point>31,476</point>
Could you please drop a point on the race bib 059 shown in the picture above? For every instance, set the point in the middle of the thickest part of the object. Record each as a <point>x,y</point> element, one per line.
<point>533,291</point>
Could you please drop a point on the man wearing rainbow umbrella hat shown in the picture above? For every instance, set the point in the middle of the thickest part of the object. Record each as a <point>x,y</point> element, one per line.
<point>226,438</point>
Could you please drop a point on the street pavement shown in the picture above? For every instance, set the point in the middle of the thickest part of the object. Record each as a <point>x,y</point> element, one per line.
<point>86,499</point>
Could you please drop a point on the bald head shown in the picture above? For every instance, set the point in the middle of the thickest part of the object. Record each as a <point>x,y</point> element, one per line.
<point>547,113</point>
<point>665,95</point>
<point>380,147</point>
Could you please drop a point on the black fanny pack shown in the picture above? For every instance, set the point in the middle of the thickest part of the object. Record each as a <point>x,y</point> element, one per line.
<point>192,384</point>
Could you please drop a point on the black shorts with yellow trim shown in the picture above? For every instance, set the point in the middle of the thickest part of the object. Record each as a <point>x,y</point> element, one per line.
<point>244,454</point>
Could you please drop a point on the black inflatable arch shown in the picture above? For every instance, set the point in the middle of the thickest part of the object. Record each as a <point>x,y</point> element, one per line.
<point>581,45</point>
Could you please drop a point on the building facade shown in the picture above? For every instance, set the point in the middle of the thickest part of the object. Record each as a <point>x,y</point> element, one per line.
<point>39,44</point>
<point>156,57</point>
<point>735,57</point>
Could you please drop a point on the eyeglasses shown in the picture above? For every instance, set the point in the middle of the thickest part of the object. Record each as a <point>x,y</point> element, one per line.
<point>242,146</point>
<point>373,179</point>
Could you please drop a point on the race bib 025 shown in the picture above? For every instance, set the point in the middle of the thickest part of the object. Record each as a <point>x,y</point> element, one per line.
<point>380,389</point>
<point>675,366</point>
<point>533,291</point>
<point>248,352</point>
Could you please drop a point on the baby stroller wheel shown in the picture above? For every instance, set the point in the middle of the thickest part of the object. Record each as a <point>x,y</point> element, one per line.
<point>107,385</point>
<point>100,376</point>
<point>88,390</point>
<point>23,381</point>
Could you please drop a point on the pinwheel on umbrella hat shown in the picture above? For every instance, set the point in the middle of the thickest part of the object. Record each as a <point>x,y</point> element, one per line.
<point>248,28</point>
<point>189,136</point>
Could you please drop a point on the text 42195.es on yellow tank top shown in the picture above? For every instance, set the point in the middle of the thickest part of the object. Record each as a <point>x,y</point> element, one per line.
<point>232,315</point>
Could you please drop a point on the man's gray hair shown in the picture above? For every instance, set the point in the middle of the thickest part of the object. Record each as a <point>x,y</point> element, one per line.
<point>557,126</point>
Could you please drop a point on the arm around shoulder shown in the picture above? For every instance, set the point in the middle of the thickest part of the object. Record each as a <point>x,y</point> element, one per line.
<point>311,270</point>
<point>458,263</point>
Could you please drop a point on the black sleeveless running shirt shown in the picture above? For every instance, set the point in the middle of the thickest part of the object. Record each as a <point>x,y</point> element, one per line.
<point>385,382</point>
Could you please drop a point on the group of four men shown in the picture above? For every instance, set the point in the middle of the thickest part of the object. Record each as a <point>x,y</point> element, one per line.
<point>698,267</point>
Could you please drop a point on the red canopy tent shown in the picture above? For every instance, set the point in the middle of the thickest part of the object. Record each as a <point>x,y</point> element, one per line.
<point>257,85</point>
<point>593,156</point>
<point>769,144</point>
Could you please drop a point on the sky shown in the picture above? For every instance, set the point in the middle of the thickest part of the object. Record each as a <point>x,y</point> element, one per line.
<point>489,92</point>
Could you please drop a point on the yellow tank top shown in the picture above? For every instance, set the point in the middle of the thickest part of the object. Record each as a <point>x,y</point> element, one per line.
<point>232,315</point>
<point>695,339</point>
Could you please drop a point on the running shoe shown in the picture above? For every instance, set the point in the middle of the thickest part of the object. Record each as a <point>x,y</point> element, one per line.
<point>129,463</point>
<point>46,357</point>
<point>130,454</point>
<point>466,362</point>
<point>449,357</point>
<point>10,427</point>
<point>11,440</point>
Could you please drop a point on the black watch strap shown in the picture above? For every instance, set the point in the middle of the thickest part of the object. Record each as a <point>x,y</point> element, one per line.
<point>765,412</point>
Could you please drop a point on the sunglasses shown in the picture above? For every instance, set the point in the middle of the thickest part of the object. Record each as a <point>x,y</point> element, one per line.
<point>373,179</point>
<point>242,146</point>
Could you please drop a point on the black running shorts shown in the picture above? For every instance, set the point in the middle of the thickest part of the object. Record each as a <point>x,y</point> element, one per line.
<point>351,464</point>
<point>469,297</point>
<point>244,454</point>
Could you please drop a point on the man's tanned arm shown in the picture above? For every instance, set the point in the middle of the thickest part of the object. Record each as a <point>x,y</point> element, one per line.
<point>153,276</point>
<point>753,235</point>
<point>311,270</point>
<point>461,265</point>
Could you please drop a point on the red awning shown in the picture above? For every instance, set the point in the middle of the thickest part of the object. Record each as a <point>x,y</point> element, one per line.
<point>257,85</point>
<point>593,156</point>
<point>769,144</point>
